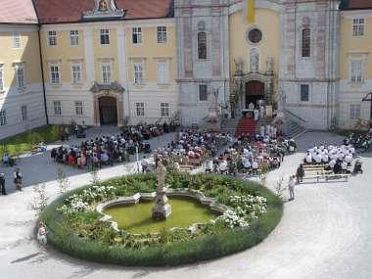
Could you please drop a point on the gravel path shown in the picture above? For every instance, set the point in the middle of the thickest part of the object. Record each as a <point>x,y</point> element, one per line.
<point>324,233</point>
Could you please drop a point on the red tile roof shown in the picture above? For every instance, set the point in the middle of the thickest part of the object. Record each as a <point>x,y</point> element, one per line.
<point>17,11</point>
<point>358,4</point>
<point>59,11</point>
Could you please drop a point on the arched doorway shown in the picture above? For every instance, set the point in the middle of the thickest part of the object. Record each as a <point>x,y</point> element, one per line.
<point>108,110</point>
<point>254,91</point>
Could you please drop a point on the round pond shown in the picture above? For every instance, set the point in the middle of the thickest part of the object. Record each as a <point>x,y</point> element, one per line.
<point>137,218</point>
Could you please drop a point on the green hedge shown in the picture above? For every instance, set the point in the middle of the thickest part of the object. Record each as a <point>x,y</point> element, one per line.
<point>221,243</point>
<point>24,142</point>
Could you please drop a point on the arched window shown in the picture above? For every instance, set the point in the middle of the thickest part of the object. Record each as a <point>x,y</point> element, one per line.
<point>202,45</point>
<point>254,60</point>
<point>306,44</point>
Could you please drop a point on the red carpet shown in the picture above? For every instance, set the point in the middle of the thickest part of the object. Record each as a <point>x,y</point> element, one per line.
<point>246,126</point>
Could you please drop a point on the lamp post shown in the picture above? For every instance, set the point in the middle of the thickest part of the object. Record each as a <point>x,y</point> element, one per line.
<point>368,98</point>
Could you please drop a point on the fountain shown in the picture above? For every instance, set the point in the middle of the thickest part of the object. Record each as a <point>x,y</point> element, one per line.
<point>162,208</point>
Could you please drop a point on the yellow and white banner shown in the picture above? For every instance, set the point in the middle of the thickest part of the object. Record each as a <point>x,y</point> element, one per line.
<point>249,11</point>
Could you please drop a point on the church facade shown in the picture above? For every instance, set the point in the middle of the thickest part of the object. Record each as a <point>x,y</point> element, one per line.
<point>118,62</point>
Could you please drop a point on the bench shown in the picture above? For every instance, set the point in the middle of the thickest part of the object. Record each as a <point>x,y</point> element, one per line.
<point>327,177</point>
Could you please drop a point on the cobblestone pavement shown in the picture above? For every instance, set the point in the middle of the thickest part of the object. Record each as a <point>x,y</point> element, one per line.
<point>324,233</point>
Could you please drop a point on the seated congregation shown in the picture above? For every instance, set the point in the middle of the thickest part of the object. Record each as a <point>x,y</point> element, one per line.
<point>250,156</point>
<point>192,147</point>
<point>333,158</point>
<point>104,150</point>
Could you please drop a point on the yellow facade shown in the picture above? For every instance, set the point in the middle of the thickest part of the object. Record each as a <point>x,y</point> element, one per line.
<point>268,21</point>
<point>151,51</point>
<point>355,45</point>
<point>105,54</point>
<point>28,54</point>
<point>63,53</point>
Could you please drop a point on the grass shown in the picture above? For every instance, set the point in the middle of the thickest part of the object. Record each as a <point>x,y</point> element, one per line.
<point>221,242</point>
<point>23,143</point>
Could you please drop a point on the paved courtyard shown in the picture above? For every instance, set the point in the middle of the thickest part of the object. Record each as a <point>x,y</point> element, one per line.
<point>324,233</point>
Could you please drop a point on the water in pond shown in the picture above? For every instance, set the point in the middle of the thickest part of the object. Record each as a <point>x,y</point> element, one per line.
<point>137,218</point>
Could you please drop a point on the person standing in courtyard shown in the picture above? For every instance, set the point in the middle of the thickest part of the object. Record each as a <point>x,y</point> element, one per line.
<point>18,179</point>
<point>291,185</point>
<point>300,174</point>
<point>2,184</point>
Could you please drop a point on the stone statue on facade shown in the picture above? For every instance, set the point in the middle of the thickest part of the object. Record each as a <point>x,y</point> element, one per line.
<point>270,65</point>
<point>213,125</point>
<point>254,60</point>
<point>162,208</point>
<point>238,66</point>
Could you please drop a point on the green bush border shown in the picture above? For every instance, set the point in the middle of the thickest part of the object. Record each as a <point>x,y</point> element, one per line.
<point>200,249</point>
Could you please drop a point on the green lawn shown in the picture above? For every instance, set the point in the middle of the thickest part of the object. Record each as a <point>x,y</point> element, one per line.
<point>24,142</point>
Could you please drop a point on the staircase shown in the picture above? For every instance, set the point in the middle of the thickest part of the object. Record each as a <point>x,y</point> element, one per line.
<point>229,125</point>
<point>246,126</point>
<point>294,124</point>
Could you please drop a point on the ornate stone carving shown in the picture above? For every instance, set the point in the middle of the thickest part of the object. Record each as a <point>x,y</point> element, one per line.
<point>104,9</point>
<point>162,208</point>
<point>254,60</point>
<point>239,66</point>
<point>113,86</point>
<point>213,112</point>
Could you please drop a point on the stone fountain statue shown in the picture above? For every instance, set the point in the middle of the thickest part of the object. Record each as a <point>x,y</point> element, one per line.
<point>162,208</point>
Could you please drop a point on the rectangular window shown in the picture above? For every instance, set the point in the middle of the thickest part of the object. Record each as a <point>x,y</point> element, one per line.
<point>356,71</point>
<point>78,107</point>
<point>137,35</point>
<point>1,78</point>
<point>3,117</point>
<point>203,96</point>
<point>52,38</point>
<point>355,111</point>
<point>163,72</point>
<point>54,74</point>
<point>16,39</point>
<point>305,97</point>
<point>20,77</point>
<point>306,42</point>
<point>105,36</point>
<point>74,37</point>
<point>164,109</point>
<point>202,45</point>
<point>76,73</point>
<point>358,27</point>
<point>161,34</point>
<point>57,107</point>
<point>24,113</point>
<point>138,73</point>
<point>106,74</point>
<point>140,109</point>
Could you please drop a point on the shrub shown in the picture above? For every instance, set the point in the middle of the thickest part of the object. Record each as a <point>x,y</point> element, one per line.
<point>79,233</point>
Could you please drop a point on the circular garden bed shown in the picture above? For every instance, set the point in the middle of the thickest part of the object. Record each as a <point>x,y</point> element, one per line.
<point>78,229</point>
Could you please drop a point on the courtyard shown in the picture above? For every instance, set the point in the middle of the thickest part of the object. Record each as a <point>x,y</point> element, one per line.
<point>324,232</point>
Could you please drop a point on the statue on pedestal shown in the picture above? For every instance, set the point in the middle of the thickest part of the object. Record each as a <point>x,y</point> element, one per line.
<point>162,208</point>
<point>213,125</point>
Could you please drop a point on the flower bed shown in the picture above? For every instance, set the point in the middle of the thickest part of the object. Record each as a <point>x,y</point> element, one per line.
<point>76,228</point>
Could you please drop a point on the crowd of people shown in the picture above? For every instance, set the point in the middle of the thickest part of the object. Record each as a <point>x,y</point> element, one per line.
<point>251,156</point>
<point>104,150</point>
<point>333,157</point>
<point>192,147</point>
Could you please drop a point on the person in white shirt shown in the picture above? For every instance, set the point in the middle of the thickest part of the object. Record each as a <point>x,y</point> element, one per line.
<point>291,185</point>
<point>255,167</point>
<point>223,166</point>
<point>325,158</point>
<point>318,158</point>
<point>308,158</point>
